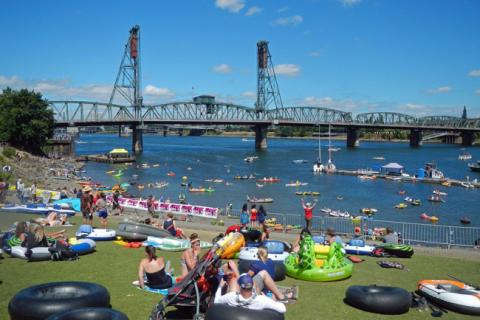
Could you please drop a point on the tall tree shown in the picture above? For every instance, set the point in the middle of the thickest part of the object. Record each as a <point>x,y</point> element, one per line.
<point>464,113</point>
<point>26,121</point>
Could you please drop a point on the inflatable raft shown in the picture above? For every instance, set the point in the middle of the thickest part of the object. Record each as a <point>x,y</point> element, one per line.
<point>132,228</point>
<point>453,295</point>
<point>378,299</point>
<point>305,266</point>
<point>35,254</point>
<point>358,247</point>
<point>83,246</point>
<point>397,250</point>
<point>172,244</point>
<point>86,231</point>
<point>37,209</point>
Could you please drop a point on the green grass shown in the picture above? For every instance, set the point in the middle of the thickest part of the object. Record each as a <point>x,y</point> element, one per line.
<point>115,268</point>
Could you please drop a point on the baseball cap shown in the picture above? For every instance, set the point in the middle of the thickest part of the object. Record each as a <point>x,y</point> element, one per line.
<point>245,281</point>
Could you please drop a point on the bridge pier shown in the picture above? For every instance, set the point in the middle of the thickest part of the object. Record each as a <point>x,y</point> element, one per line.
<point>260,136</point>
<point>467,138</point>
<point>415,138</point>
<point>352,137</point>
<point>137,139</point>
<point>165,131</point>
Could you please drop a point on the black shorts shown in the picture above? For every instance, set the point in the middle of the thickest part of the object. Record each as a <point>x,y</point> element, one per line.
<point>87,215</point>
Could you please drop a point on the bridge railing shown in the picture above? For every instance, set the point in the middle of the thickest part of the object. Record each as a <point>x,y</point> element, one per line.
<point>444,236</point>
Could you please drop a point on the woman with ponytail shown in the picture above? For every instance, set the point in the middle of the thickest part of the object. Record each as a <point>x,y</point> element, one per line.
<point>153,269</point>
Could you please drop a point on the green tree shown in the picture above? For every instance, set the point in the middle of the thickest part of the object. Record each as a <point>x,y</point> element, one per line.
<point>26,122</point>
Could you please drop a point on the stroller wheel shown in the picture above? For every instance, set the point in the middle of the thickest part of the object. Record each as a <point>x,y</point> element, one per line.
<point>158,312</point>
<point>199,317</point>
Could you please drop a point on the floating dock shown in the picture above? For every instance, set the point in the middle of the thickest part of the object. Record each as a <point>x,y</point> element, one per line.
<point>106,159</point>
<point>452,182</point>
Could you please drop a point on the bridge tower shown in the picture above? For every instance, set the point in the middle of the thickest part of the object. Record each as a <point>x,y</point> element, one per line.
<point>127,85</point>
<point>268,92</point>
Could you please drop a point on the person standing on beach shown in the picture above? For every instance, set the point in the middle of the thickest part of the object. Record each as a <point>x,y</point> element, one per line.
<point>102,211</point>
<point>86,202</point>
<point>151,205</point>
<point>308,208</point>
<point>244,217</point>
<point>33,190</point>
<point>20,186</point>
<point>253,216</point>
<point>115,203</point>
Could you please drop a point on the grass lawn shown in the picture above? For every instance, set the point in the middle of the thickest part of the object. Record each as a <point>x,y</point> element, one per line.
<point>115,268</point>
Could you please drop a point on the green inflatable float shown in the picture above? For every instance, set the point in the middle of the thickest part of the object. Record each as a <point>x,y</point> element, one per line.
<point>305,266</point>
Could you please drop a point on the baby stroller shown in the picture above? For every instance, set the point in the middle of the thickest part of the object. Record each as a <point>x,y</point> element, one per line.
<point>196,290</point>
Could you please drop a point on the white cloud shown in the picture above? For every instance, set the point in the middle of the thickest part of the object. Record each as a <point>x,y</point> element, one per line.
<point>288,21</point>
<point>253,10</point>
<point>222,68</point>
<point>350,3</point>
<point>290,70</point>
<point>329,102</point>
<point>444,89</point>
<point>13,81</point>
<point>230,5</point>
<point>315,53</point>
<point>249,95</point>
<point>474,73</point>
<point>159,92</point>
<point>283,9</point>
<point>477,92</point>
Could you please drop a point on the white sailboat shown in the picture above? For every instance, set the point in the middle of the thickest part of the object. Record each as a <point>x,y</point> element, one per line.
<point>330,167</point>
<point>318,166</point>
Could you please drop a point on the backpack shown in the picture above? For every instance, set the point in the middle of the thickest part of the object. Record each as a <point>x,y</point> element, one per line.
<point>61,251</point>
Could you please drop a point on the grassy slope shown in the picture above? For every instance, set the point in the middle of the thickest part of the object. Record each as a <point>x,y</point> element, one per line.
<point>116,267</point>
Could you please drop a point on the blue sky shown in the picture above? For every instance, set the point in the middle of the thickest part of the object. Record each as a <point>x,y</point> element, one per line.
<point>414,57</point>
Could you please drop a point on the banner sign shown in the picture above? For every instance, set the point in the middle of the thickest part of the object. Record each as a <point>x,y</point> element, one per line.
<point>176,208</point>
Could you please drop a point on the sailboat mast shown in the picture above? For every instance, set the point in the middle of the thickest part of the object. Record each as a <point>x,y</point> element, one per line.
<point>319,146</point>
<point>329,146</point>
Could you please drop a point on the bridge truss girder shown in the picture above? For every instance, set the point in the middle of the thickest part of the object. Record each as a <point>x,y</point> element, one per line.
<point>84,113</point>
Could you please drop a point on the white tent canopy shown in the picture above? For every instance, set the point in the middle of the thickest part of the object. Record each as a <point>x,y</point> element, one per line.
<point>393,165</point>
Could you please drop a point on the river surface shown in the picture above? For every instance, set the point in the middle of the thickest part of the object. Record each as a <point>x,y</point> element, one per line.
<point>201,158</point>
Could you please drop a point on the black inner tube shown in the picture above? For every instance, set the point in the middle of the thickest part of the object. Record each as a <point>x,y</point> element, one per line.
<point>222,312</point>
<point>377,299</point>
<point>41,301</point>
<point>89,314</point>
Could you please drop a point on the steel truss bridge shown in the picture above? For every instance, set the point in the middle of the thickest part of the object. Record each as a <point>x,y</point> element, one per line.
<point>85,113</point>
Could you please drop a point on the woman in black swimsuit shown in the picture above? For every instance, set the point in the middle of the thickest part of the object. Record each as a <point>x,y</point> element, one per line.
<point>153,268</point>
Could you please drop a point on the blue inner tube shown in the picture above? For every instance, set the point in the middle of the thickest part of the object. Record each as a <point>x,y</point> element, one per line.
<point>89,314</point>
<point>41,301</point>
<point>223,311</point>
<point>377,299</point>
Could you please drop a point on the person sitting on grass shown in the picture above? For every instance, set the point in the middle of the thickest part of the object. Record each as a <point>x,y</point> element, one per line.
<point>263,272</point>
<point>169,225</point>
<point>333,237</point>
<point>243,295</point>
<point>21,230</point>
<point>153,268</point>
<point>390,237</point>
<point>190,257</point>
<point>35,237</point>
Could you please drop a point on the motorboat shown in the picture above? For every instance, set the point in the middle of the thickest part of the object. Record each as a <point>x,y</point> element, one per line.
<point>299,161</point>
<point>465,220</point>
<point>271,179</point>
<point>339,214</point>
<point>440,193</point>
<point>401,206</point>
<point>326,210</point>
<point>318,167</point>
<point>432,172</point>
<point>378,158</point>
<point>259,200</point>
<point>435,198</point>
<point>334,149</point>
<point>250,159</point>
<point>465,156</point>
<point>467,184</point>
<point>475,166</point>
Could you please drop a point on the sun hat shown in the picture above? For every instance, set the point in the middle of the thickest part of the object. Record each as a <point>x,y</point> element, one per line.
<point>87,189</point>
<point>245,281</point>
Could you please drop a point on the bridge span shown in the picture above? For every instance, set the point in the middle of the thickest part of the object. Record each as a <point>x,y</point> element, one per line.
<point>86,113</point>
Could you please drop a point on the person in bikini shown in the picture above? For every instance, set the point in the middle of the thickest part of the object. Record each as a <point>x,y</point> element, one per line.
<point>169,225</point>
<point>190,256</point>
<point>153,269</point>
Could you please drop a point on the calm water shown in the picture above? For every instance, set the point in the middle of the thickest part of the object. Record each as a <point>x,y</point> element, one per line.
<point>222,157</point>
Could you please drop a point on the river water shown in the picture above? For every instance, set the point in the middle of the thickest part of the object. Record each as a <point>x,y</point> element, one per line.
<point>201,158</point>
